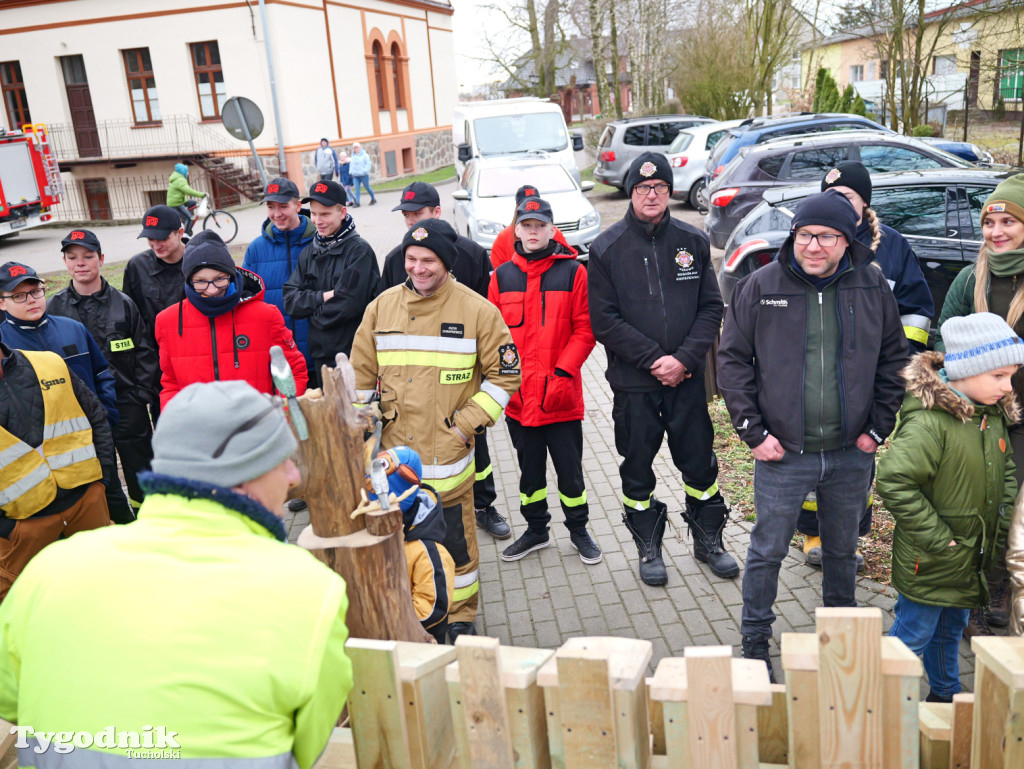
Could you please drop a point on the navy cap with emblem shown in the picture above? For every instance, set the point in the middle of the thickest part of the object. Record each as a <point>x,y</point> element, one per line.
<point>418,195</point>
<point>280,190</point>
<point>13,274</point>
<point>81,238</point>
<point>327,194</point>
<point>159,222</point>
<point>524,192</point>
<point>535,208</point>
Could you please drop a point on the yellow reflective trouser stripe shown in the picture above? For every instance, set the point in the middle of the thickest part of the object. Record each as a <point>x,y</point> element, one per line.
<point>635,503</point>
<point>488,404</point>
<point>573,501</point>
<point>698,494</point>
<point>426,359</point>
<point>466,585</point>
<point>485,473</point>
<point>915,334</point>
<point>537,496</point>
<point>442,485</point>
<point>811,503</point>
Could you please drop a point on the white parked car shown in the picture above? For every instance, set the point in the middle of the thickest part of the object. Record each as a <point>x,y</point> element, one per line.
<point>485,200</point>
<point>688,153</point>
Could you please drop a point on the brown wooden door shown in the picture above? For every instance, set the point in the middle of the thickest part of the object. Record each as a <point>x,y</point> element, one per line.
<point>80,103</point>
<point>97,198</point>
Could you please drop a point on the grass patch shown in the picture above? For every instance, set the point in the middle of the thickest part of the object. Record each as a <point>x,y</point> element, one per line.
<point>736,481</point>
<point>587,175</point>
<point>442,174</point>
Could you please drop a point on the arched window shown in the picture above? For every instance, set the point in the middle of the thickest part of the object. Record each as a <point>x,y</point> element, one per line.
<point>378,75</point>
<point>396,65</point>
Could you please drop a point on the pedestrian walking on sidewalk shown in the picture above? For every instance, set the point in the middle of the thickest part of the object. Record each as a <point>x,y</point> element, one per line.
<point>656,307</point>
<point>542,295</point>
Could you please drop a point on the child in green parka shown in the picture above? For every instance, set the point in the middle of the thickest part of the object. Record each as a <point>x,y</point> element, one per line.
<point>948,481</point>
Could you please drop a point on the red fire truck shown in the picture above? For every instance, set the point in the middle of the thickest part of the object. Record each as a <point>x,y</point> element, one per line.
<point>30,182</point>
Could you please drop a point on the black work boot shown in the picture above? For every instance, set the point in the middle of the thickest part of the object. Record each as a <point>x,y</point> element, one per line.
<point>707,521</point>
<point>754,648</point>
<point>648,528</point>
<point>998,610</point>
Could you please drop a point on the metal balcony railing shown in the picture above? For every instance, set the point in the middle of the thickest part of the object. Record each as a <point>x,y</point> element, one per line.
<point>123,139</point>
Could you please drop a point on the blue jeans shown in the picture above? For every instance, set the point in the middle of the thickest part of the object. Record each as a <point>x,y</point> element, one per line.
<point>933,633</point>
<point>840,479</point>
<point>365,181</point>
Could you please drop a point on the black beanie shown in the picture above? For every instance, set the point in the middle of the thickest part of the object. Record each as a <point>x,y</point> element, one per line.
<point>648,166</point>
<point>206,249</point>
<point>850,174</point>
<point>435,234</point>
<point>828,209</point>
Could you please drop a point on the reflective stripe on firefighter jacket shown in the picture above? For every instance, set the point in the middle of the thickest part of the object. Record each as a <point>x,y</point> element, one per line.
<point>443,360</point>
<point>66,458</point>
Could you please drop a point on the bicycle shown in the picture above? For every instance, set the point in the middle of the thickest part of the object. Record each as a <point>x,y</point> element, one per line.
<point>221,222</point>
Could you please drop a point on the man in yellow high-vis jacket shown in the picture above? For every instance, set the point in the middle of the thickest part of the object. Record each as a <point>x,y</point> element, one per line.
<point>56,453</point>
<point>447,367</point>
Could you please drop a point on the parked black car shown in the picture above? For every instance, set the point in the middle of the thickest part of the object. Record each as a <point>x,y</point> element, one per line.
<point>787,161</point>
<point>938,211</point>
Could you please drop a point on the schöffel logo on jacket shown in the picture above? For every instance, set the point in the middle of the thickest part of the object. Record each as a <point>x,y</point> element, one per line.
<point>775,302</point>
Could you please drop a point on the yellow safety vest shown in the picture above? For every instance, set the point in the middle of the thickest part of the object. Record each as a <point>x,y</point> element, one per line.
<point>67,457</point>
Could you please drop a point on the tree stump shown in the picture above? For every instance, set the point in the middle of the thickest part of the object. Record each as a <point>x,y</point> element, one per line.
<point>367,550</point>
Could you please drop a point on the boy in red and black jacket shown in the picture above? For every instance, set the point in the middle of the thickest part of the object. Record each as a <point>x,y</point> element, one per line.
<point>542,295</point>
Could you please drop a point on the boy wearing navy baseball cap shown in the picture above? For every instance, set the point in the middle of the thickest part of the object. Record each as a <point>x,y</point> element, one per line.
<point>115,323</point>
<point>542,295</point>
<point>335,278</point>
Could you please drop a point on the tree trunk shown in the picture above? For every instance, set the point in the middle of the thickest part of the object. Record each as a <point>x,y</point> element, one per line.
<point>597,54</point>
<point>537,53</point>
<point>368,550</point>
<point>550,20</point>
<point>614,34</point>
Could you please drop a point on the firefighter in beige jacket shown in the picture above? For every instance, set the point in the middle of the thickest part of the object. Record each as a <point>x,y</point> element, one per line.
<point>445,366</point>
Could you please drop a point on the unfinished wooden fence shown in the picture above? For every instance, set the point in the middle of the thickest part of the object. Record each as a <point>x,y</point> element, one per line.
<point>850,700</point>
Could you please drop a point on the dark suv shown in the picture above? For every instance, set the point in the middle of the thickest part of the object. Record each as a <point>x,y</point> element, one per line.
<point>938,211</point>
<point>624,139</point>
<point>759,130</point>
<point>758,168</point>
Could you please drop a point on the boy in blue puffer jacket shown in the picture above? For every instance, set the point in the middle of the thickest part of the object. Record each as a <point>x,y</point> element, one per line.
<point>273,256</point>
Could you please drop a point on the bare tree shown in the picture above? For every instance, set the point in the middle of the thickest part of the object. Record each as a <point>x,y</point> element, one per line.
<point>771,42</point>
<point>526,21</point>
<point>594,10</point>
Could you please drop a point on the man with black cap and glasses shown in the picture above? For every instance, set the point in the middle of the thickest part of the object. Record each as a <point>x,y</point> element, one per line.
<point>152,278</point>
<point>656,307</point>
<point>273,255</point>
<point>335,277</point>
<point>809,366</point>
<point>249,666</point>
<point>115,324</point>
<point>443,364</point>
<point>473,270</point>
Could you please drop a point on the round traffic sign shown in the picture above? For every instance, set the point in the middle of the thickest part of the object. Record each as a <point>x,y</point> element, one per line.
<point>238,114</point>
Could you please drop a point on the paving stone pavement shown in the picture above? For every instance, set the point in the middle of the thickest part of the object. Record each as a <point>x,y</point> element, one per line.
<point>550,596</point>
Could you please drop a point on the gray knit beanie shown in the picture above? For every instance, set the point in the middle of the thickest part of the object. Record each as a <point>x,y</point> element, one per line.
<point>978,343</point>
<point>196,423</point>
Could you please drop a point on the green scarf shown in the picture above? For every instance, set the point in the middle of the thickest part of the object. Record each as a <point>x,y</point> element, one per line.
<point>1006,264</point>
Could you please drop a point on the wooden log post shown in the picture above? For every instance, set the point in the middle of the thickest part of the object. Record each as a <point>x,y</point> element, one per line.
<point>367,550</point>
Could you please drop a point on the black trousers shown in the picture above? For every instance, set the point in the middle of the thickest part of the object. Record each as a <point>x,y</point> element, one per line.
<point>642,419</point>
<point>484,492</point>
<point>133,439</point>
<point>564,442</point>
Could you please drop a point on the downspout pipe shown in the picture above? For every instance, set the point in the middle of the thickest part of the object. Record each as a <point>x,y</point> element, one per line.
<point>273,89</point>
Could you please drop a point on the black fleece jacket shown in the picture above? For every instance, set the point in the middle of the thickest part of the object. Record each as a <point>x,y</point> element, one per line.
<point>653,292</point>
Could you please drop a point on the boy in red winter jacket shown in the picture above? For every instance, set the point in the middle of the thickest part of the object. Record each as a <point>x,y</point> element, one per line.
<point>542,295</point>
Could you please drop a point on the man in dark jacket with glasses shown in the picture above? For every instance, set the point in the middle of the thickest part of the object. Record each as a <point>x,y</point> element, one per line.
<point>809,366</point>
